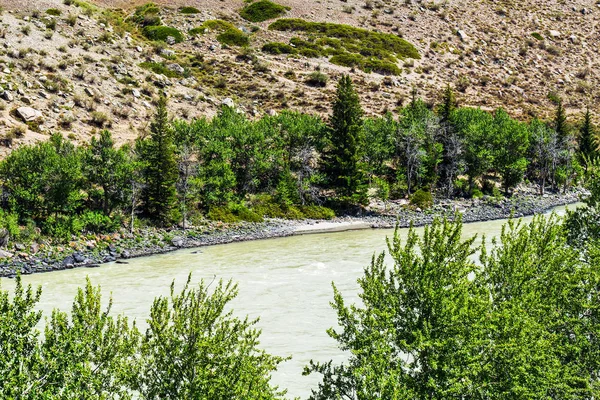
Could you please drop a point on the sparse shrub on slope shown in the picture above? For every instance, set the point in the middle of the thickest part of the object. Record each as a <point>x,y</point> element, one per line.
<point>263,10</point>
<point>161,33</point>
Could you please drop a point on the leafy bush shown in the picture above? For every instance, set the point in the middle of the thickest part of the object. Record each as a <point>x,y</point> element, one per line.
<point>147,15</point>
<point>162,32</point>
<point>97,222</point>
<point>278,48</point>
<point>263,10</point>
<point>189,10</point>
<point>537,36</point>
<point>421,199</point>
<point>233,213</point>
<point>317,212</point>
<point>53,11</point>
<point>159,68</point>
<point>317,78</point>
<point>233,37</point>
<point>212,24</point>
<point>350,36</point>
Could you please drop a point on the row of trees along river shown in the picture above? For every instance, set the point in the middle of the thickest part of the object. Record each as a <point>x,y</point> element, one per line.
<point>291,165</point>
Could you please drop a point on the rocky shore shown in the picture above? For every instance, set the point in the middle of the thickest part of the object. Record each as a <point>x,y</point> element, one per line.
<point>92,251</point>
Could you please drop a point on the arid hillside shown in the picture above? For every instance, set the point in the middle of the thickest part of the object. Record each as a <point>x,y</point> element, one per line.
<point>83,67</point>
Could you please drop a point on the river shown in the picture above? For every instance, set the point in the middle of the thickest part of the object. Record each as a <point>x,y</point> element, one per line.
<point>286,282</point>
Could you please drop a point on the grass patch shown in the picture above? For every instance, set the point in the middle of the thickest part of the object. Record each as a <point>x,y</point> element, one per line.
<point>217,25</point>
<point>147,15</point>
<point>278,48</point>
<point>189,10</point>
<point>233,37</point>
<point>263,10</point>
<point>161,33</point>
<point>317,79</point>
<point>53,11</point>
<point>348,46</point>
<point>537,36</point>
<point>159,68</point>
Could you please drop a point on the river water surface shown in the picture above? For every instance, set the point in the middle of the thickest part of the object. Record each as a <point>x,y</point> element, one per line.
<point>286,282</point>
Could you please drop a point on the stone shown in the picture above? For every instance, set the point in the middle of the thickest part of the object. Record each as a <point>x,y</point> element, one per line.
<point>69,260</point>
<point>19,246</point>
<point>228,102</point>
<point>78,257</point>
<point>167,53</point>
<point>139,49</point>
<point>170,40</point>
<point>90,92</point>
<point>28,114</point>
<point>7,96</point>
<point>462,35</point>
<point>177,241</point>
<point>5,254</point>
<point>136,93</point>
<point>44,95</point>
<point>554,34</point>
<point>176,68</point>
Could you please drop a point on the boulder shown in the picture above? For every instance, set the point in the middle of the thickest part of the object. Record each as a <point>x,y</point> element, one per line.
<point>5,254</point>
<point>554,34</point>
<point>171,40</point>
<point>7,96</point>
<point>176,68</point>
<point>78,257</point>
<point>177,241</point>
<point>462,35</point>
<point>228,102</point>
<point>28,114</point>
<point>136,93</point>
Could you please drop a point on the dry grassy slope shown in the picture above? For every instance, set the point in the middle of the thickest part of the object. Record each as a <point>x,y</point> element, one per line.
<point>499,63</point>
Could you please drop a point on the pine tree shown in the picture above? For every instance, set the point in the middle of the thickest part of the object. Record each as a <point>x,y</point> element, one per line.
<point>160,168</point>
<point>346,137</point>
<point>560,123</point>
<point>447,106</point>
<point>587,148</point>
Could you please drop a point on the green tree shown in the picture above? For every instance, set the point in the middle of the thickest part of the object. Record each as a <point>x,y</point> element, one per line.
<point>587,136</point>
<point>346,145</point>
<point>510,141</point>
<point>108,171</point>
<point>560,122</point>
<point>159,168</point>
<point>523,324</point>
<point>194,349</point>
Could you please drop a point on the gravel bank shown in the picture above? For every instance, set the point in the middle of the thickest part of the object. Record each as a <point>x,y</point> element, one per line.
<point>119,247</point>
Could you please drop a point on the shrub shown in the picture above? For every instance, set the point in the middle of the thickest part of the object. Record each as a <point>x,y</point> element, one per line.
<point>278,48</point>
<point>213,24</point>
<point>422,199</point>
<point>317,212</point>
<point>537,36</point>
<point>189,10</point>
<point>233,37</point>
<point>262,10</point>
<point>147,15</point>
<point>159,68</point>
<point>97,222</point>
<point>53,11</point>
<point>233,213</point>
<point>68,2</point>
<point>162,32</point>
<point>317,78</point>
<point>99,119</point>
<point>50,24</point>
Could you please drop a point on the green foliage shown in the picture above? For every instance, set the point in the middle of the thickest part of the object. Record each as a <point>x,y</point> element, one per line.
<point>510,141</point>
<point>217,25</point>
<point>195,348</point>
<point>436,325</point>
<point>367,38</point>
<point>233,213</point>
<point>317,212</point>
<point>157,155</point>
<point>189,10</point>
<point>278,48</point>
<point>53,11</point>
<point>587,135</point>
<point>421,199</point>
<point>262,10</point>
<point>159,68</point>
<point>233,37</point>
<point>192,348</point>
<point>147,15</point>
<point>161,33</point>
<point>537,36</point>
<point>346,145</point>
<point>317,78</point>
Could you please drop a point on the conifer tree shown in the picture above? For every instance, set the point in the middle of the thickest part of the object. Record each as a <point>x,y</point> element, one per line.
<point>160,170</point>
<point>560,122</point>
<point>346,137</point>
<point>587,148</point>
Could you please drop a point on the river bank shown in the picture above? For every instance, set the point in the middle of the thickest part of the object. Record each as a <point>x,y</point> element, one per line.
<point>92,251</point>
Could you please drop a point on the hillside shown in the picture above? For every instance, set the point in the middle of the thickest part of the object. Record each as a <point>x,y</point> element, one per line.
<point>85,67</point>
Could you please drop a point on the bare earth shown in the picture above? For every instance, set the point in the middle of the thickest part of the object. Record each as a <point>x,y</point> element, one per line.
<point>494,62</point>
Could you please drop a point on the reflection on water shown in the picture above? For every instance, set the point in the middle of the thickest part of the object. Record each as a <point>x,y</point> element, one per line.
<point>286,282</point>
